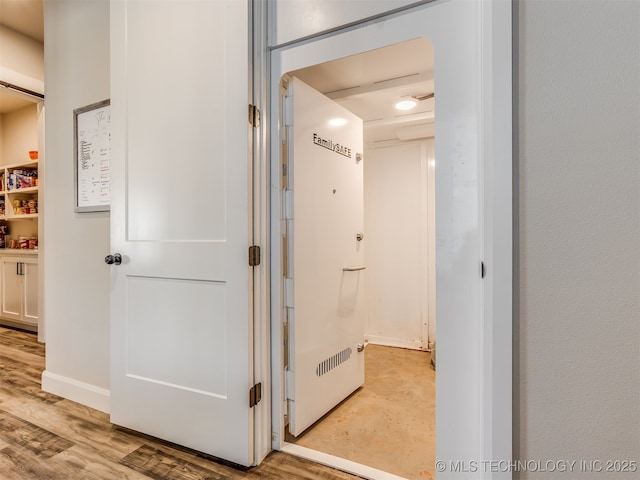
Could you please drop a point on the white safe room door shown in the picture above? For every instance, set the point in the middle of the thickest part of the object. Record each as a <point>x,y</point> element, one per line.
<point>181,334</point>
<point>325,284</point>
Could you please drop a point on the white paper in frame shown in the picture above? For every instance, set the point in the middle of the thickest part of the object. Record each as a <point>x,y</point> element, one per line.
<point>92,157</point>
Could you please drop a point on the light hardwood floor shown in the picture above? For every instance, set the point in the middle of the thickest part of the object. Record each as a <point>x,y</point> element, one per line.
<point>45,437</point>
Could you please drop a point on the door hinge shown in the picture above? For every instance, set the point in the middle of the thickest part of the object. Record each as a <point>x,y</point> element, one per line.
<point>288,205</point>
<point>483,270</point>
<point>254,255</point>
<point>288,293</point>
<point>255,395</point>
<point>287,111</point>
<point>289,386</point>
<point>254,115</point>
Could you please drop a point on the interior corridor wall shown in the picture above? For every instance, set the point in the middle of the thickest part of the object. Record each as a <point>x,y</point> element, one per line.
<point>397,231</point>
<point>77,282</point>
<point>579,180</point>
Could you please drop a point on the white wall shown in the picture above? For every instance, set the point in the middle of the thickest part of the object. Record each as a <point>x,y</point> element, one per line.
<point>320,15</point>
<point>77,282</point>
<point>396,245</point>
<point>20,134</point>
<point>579,135</point>
<point>22,54</point>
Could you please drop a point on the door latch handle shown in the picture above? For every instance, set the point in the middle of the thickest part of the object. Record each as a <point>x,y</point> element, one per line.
<point>354,268</point>
<point>115,259</point>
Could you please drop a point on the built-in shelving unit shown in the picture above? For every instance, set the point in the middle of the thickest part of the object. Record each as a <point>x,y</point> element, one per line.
<point>19,192</point>
<point>19,202</point>
<point>20,216</point>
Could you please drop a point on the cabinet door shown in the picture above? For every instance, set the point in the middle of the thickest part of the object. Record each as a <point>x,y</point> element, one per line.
<point>30,290</point>
<point>11,288</point>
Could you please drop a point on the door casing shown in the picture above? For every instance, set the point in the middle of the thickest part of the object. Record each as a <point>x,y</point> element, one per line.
<point>485,429</point>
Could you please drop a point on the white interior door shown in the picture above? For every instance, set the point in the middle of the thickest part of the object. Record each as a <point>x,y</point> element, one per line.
<point>181,314</point>
<point>326,272</point>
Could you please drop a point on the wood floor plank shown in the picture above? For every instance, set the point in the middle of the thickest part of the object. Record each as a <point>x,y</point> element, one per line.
<point>20,464</point>
<point>45,437</point>
<point>70,421</point>
<point>15,384</point>
<point>279,465</point>
<point>40,441</point>
<point>80,463</point>
<point>13,364</point>
<point>155,463</point>
<point>25,342</point>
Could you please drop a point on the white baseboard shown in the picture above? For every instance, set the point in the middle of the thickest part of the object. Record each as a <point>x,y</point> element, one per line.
<point>395,342</point>
<point>342,464</point>
<point>80,392</point>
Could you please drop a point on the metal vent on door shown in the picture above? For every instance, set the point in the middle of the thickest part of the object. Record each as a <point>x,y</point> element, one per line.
<point>333,361</point>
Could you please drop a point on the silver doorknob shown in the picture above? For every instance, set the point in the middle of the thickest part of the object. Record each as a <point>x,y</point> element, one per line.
<point>115,259</point>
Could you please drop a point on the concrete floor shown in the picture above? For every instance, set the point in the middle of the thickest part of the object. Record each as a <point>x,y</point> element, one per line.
<point>389,423</point>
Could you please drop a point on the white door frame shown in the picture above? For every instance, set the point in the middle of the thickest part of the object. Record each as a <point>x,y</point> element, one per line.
<point>490,385</point>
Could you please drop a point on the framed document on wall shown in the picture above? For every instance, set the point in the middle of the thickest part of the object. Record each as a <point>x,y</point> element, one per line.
<point>92,157</point>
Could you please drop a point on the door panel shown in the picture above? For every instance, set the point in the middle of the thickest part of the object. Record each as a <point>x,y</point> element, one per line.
<point>327,320</point>
<point>11,289</point>
<point>30,289</point>
<point>181,316</point>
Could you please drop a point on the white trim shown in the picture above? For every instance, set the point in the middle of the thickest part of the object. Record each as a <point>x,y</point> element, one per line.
<point>338,463</point>
<point>497,199</point>
<point>77,391</point>
<point>261,341</point>
<point>396,342</point>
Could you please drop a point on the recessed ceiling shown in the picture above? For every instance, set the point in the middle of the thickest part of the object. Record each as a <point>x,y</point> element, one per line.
<point>371,83</point>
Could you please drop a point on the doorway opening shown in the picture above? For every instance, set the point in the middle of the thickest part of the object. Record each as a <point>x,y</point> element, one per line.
<point>383,281</point>
<point>473,192</point>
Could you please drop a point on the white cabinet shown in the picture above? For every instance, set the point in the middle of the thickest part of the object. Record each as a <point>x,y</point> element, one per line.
<point>19,291</point>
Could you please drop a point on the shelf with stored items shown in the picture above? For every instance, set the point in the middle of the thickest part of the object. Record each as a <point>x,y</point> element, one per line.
<point>21,157</point>
<point>19,203</point>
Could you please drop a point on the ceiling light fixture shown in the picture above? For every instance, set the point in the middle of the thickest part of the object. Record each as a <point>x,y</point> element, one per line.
<point>337,122</point>
<point>406,103</point>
